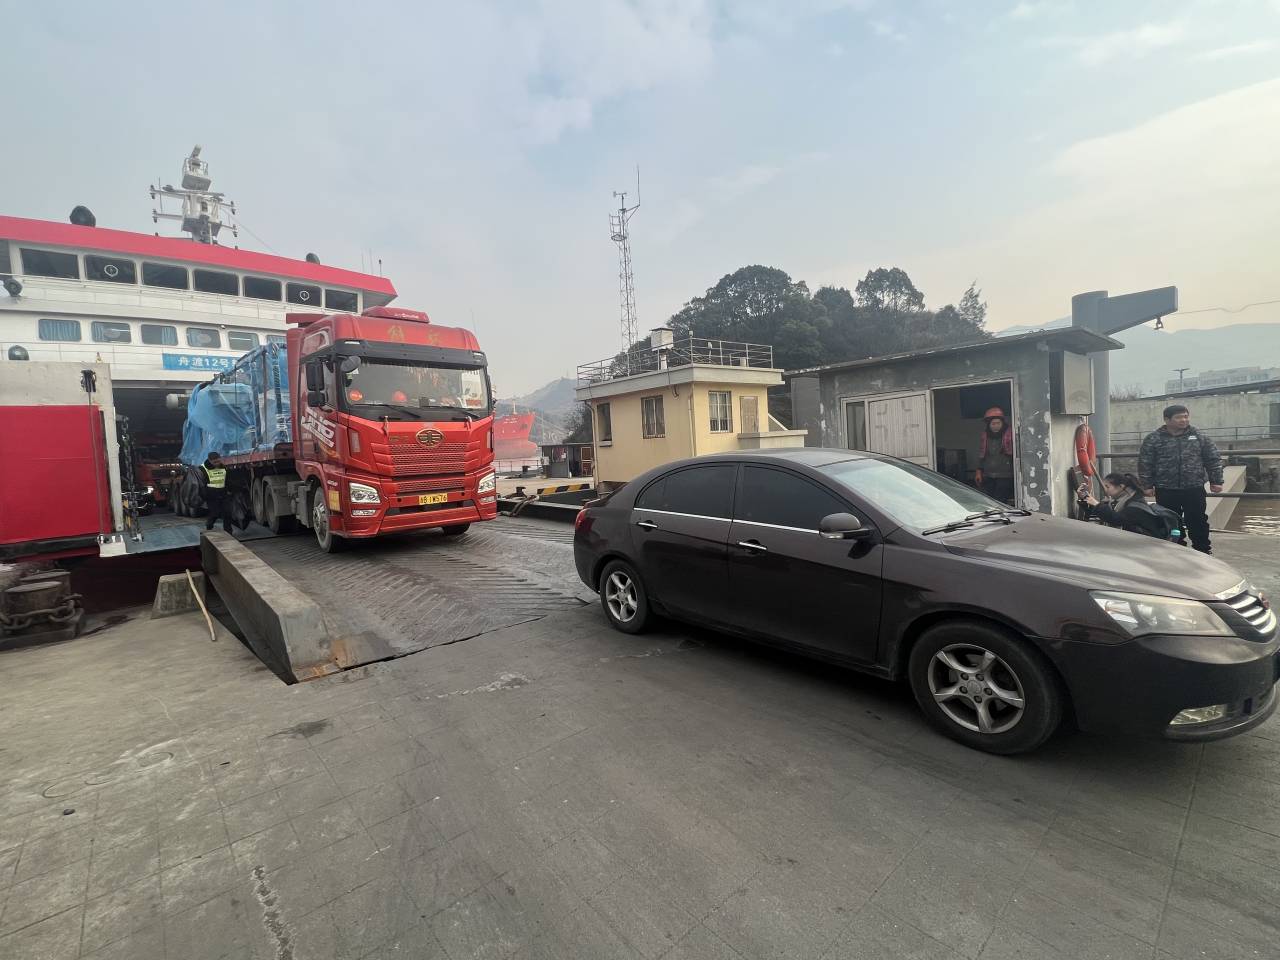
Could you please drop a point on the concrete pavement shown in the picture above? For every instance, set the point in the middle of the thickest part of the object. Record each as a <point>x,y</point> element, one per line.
<point>555,789</point>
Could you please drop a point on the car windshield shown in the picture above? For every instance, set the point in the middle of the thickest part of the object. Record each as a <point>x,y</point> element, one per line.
<point>402,387</point>
<point>914,496</point>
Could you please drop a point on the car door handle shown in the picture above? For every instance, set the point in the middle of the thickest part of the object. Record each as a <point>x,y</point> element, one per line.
<point>646,525</point>
<point>755,546</point>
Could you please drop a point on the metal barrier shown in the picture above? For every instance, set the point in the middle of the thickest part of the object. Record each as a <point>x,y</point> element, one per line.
<point>1228,455</point>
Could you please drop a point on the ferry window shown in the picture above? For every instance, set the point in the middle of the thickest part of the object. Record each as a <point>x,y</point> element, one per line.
<point>110,269</point>
<point>212,281</point>
<point>303,293</point>
<point>4,257</point>
<point>159,335</point>
<point>205,337</point>
<point>48,263</point>
<point>340,300</point>
<point>66,331</point>
<point>242,341</point>
<point>164,275</point>
<point>109,331</point>
<point>261,288</point>
<point>277,340</point>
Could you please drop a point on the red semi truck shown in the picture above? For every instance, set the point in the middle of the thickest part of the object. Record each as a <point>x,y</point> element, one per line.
<point>390,428</point>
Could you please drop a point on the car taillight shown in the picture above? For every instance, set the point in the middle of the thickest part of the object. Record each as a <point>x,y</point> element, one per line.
<point>580,520</point>
<point>353,440</point>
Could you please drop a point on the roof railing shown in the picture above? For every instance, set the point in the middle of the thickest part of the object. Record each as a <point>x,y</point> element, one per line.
<point>663,354</point>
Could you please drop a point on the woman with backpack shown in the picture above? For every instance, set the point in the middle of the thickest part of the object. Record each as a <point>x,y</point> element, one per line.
<point>1127,507</point>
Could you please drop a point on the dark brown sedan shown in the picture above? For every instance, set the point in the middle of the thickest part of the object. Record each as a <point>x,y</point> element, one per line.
<point>1002,622</point>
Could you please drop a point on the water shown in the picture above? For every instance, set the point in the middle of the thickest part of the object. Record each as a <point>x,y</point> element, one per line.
<point>1257,516</point>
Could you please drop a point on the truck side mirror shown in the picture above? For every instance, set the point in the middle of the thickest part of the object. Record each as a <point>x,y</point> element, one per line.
<point>350,364</point>
<point>842,526</point>
<point>316,398</point>
<point>315,376</point>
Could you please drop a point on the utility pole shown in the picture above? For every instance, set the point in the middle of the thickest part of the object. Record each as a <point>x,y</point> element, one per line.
<point>1180,371</point>
<point>621,235</point>
<point>1107,315</point>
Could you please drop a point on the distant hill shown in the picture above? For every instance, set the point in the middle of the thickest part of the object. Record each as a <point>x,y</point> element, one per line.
<point>554,404</point>
<point>1150,356</point>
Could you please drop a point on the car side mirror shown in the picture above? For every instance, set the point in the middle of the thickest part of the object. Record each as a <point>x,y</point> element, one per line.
<point>842,526</point>
<point>316,398</point>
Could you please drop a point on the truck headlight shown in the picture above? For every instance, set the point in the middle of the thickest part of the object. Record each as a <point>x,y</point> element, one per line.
<point>488,483</point>
<point>363,493</point>
<point>1139,614</point>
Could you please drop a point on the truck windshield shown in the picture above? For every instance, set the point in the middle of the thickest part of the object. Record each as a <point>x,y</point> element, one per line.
<point>399,389</point>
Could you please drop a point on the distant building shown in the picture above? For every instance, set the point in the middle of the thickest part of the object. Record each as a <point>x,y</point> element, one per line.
<point>1213,379</point>
<point>678,399</point>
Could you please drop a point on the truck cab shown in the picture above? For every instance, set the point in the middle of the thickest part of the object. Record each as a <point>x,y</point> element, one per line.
<point>392,425</point>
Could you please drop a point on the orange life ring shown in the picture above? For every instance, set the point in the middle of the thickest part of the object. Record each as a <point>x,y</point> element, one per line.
<point>1086,451</point>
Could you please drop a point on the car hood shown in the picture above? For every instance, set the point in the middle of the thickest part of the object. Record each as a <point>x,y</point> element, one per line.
<point>1095,556</point>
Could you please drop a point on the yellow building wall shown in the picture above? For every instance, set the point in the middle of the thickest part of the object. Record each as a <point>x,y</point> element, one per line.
<point>688,429</point>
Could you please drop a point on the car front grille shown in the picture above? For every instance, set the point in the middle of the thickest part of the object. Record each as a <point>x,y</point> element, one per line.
<point>450,481</point>
<point>416,459</point>
<point>1250,616</point>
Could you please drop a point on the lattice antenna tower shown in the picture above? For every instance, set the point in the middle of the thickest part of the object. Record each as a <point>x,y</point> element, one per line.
<point>621,235</point>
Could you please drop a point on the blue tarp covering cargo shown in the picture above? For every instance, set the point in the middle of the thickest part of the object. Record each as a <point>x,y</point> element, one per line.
<point>245,410</point>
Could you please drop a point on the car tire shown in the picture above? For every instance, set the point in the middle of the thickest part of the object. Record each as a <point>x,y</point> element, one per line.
<point>623,597</point>
<point>455,529</point>
<point>985,687</point>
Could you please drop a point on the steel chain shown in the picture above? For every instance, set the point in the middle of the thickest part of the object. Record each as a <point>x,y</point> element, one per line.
<point>65,611</point>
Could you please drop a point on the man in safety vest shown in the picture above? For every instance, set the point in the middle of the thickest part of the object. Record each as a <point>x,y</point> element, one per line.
<point>214,489</point>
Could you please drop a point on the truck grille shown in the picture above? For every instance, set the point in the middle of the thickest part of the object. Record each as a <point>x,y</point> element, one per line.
<point>452,481</point>
<point>415,459</point>
<point>1249,616</point>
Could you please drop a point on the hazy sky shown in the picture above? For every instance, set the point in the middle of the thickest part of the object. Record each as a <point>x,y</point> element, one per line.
<point>1041,148</point>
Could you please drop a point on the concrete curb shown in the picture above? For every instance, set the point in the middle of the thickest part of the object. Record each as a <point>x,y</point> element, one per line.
<point>543,509</point>
<point>283,627</point>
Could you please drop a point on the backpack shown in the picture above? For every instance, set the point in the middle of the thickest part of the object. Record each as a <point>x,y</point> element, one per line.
<point>1157,521</point>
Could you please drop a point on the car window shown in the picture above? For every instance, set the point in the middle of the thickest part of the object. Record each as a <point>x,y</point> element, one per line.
<point>698,491</point>
<point>914,496</point>
<point>783,499</point>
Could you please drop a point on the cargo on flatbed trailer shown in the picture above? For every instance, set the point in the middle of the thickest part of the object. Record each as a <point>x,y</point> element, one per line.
<point>362,425</point>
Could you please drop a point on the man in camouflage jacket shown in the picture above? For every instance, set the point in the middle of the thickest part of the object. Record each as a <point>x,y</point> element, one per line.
<point>1178,460</point>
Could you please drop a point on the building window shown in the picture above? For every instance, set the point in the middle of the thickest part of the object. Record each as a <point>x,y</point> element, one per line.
<point>63,331</point>
<point>302,293</point>
<point>342,300</point>
<point>110,269</point>
<point>721,411</point>
<point>205,337</point>
<point>855,424</point>
<point>215,281</point>
<point>262,288</point>
<point>242,341</point>
<point>278,340</point>
<point>604,423</point>
<point>164,275</point>
<point>159,335</point>
<point>654,425</point>
<point>48,263</point>
<point>109,331</point>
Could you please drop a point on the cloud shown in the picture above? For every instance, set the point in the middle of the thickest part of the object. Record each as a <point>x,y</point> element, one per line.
<point>1031,10</point>
<point>1236,50</point>
<point>883,27</point>
<point>1123,44</point>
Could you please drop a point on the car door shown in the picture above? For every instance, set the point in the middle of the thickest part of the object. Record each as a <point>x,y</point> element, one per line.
<point>679,529</point>
<point>788,583</point>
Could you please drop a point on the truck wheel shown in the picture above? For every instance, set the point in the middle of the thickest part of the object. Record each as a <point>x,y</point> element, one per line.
<point>455,530</point>
<point>985,688</point>
<point>326,539</point>
<point>277,523</point>
<point>257,498</point>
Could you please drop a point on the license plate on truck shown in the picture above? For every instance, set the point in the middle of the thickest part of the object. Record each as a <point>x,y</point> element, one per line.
<point>427,498</point>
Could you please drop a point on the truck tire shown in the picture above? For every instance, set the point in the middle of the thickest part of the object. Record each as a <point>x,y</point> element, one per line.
<point>257,501</point>
<point>326,539</point>
<point>455,529</point>
<point>275,522</point>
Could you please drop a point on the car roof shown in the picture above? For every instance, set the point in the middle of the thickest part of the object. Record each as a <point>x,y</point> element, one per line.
<point>804,456</point>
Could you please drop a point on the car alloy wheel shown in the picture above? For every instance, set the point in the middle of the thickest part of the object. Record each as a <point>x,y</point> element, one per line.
<point>620,595</point>
<point>976,689</point>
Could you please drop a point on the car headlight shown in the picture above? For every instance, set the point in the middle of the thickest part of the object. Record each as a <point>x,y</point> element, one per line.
<point>488,483</point>
<point>363,493</point>
<point>1139,614</point>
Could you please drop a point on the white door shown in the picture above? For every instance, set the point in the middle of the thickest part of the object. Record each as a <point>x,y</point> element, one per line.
<point>902,427</point>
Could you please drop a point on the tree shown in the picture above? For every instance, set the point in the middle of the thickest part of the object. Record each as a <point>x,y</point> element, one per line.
<point>580,425</point>
<point>889,288</point>
<point>972,307</point>
<point>1127,391</point>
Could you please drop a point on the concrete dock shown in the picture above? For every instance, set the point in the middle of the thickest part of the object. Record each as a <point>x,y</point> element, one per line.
<point>551,788</point>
